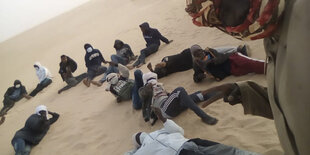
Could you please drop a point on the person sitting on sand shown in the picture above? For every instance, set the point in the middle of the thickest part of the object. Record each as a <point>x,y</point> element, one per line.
<point>66,65</point>
<point>93,60</point>
<point>124,53</point>
<point>220,65</point>
<point>13,94</point>
<point>123,88</point>
<point>183,61</point>
<point>152,37</point>
<point>172,104</point>
<point>123,56</point>
<point>34,130</point>
<point>44,76</point>
<point>170,140</point>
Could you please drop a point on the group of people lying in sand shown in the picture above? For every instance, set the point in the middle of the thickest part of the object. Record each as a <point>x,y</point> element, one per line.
<point>144,90</point>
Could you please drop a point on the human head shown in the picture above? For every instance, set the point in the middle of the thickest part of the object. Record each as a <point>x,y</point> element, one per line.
<point>144,27</point>
<point>17,84</point>
<point>138,138</point>
<point>41,110</point>
<point>160,69</point>
<point>112,78</point>
<point>118,44</point>
<point>64,58</point>
<point>149,77</point>
<point>37,65</point>
<point>88,47</point>
<point>197,52</point>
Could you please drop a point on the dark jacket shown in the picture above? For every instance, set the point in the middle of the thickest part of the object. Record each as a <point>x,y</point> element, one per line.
<point>10,91</point>
<point>35,128</point>
<point>152,36</point>
<point>70,63</point>
<point>218,66</point>
<point>176,63</point>
<point>93,58</point>
<point>122,49</point>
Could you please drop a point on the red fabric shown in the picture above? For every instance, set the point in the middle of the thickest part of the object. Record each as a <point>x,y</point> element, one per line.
<point>242,65</point>
<point>268,11</point>
<point>254,9</point>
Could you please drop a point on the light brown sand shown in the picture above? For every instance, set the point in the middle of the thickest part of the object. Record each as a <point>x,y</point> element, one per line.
<point>91,121</point>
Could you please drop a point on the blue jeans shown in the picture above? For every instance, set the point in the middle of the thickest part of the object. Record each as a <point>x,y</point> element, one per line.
<point>118,59</point>
<point>21,147</point>
<point>145,53</point>
<point>111,69</point>
<point>136,101</point>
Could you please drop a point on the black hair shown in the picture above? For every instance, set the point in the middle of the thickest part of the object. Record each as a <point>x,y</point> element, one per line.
<point>63,56</point>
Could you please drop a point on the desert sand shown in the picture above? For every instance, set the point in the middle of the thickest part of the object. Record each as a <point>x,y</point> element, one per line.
<point>91,122</point>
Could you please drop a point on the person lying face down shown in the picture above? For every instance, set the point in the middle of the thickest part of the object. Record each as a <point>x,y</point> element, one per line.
<point>184,61</point>
<point>173,63</point>
<point>124,88</point>
<point>220,65</point>
<point>172,104</point>
<point>34,130</point>
<point>170,140</point>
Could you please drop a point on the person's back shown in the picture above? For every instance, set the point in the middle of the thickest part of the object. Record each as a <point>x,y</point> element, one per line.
<point>179,62</point>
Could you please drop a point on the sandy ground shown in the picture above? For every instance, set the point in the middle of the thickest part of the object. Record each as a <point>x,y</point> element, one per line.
<point>91,122</point>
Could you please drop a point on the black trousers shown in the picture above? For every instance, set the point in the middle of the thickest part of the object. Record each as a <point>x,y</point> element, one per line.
<point>40,87</point>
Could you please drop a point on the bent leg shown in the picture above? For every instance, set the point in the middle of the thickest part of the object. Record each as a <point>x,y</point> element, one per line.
<point>186,101</point>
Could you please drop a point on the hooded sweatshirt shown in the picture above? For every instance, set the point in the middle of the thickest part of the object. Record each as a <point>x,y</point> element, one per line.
<point>93,58</point>
<point>36,127</point>
<point>122,50</point>
<point>166,141</point>
<point>10,91</point>
<point>42,72</point>
<point>152,36</point>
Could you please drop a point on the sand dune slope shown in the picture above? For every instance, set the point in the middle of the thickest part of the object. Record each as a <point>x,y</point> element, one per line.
<point>91,121</point>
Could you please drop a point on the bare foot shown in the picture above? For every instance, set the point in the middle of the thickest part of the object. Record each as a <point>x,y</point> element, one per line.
<point>86,83</point>
<point>99,84</point>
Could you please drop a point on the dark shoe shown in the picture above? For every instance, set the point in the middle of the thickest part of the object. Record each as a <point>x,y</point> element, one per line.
<point>210,120</point>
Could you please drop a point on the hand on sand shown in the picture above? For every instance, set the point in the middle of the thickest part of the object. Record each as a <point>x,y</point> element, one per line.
<point>170,41</point>
<point>229,92</point>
